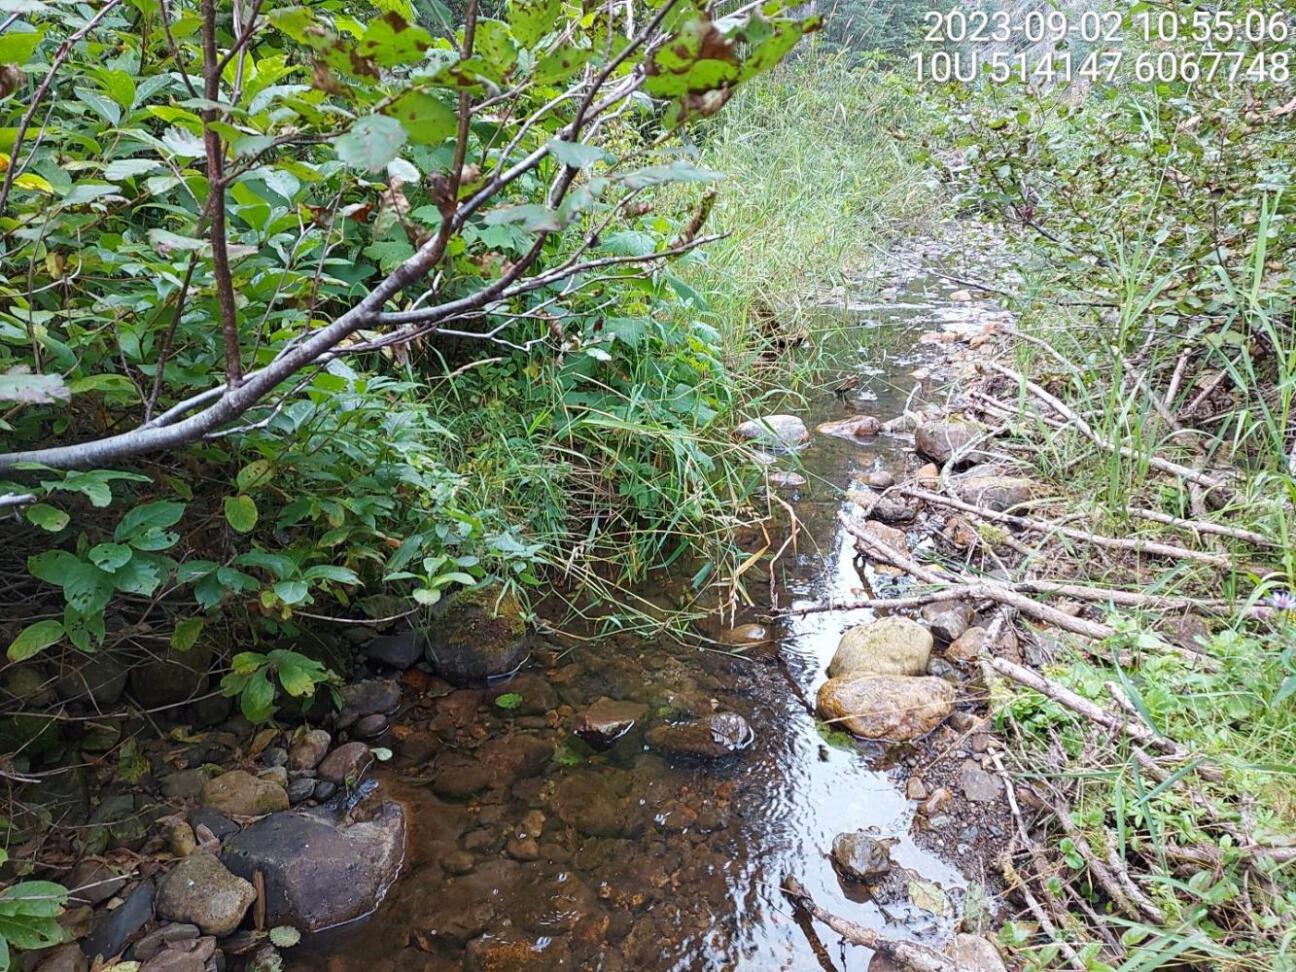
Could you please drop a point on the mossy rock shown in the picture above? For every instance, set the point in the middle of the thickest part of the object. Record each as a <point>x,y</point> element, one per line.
<point>172,676</point>
<point>479,633</point>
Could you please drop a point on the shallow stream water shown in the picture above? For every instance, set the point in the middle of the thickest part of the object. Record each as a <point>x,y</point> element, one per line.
<point>529,851</point>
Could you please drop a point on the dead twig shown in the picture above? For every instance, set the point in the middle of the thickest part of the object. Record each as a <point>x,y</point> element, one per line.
<point>909,955</point>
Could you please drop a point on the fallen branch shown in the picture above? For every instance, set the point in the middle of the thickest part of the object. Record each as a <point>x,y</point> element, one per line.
<point>1136,731</point>
<point>987,590</point>
<point>1165,465</point>
<point>1098,540</point>
<point>909,955</point>
<point>1205,526</point>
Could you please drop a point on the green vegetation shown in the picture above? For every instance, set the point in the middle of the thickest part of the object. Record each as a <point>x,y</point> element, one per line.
<point>317,304</point>
<point>821,176</point>
<point>1154,235</point>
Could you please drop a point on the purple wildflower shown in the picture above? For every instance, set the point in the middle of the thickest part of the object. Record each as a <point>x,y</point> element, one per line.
<point>1282,601</point>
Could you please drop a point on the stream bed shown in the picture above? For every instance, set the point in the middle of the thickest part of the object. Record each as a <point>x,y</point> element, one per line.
<point>528,849</point>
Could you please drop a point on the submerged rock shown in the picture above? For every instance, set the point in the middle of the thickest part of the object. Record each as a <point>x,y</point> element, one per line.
<point>860,856</point>
<point>608,720</point>
<point>942,439</point>
<point>479,633</point>
<point>201,891</point>
<point>888,646</point>
<point>597,803</point>
<point>856,427</point>
<point>242,794</point>
<point>886,707</point>
<point>318,874</point>
<point>774,431</point>
<point>712,737</point>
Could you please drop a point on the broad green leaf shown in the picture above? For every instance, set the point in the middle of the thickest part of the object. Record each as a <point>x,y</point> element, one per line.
<point>109,556</point>
<point>427,119</point>
<point>494,43</point>
<point>575,154</point>
<point>257,699</point>
<point>678,171</point>
<point>35,638</point>
<point>47,517</point>
<point>295,678</point>
<point>531,217</point>
<point>255,474</point>
<point>241,512</point>
<point>390,41</point>
<point>17,47</point>
<point>148,518</point>
<point>291,591</point>
<point>185,634</point>
<point>130,168</point>
<point>532,19</point>
<point>373,142</point>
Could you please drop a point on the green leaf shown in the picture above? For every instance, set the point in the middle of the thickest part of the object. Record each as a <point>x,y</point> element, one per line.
<point>373,142</point>
<point>576,154</point>
<point>185,634</point>
<point>291,591</point>
<point>390,41</point>
<point>295,678</point>
<point>426,118</point>
<point>532,217</point>
<point>120,169</point>
<point>254,475</point>
<point>677,171</point>
<point>34,639</point>
<point>494,43</point>
<point>508,701</point>
<point>17,47</point>
<point>342,575</point>
<point>532,19</point>
<point>257,699</point>
<point>109,556</point>
<point>148,519</point>
<point>47,517</point>
<point>241,512</point>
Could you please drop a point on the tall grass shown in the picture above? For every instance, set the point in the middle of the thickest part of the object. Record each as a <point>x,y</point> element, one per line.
<point>819,173</point>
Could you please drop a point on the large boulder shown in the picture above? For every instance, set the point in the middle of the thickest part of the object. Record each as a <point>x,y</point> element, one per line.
<point>886,707</point>
<point>941,440</point>
<point>888,646</point>
<point>774,431</point>
<point>201,891</point>
<point>479,633</point>
<point>317,873</point>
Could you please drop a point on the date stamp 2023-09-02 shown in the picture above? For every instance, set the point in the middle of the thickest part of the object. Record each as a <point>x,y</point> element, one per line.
<point>1056,46</point>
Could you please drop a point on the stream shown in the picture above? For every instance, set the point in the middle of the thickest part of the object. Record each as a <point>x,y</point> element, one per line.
<point>529,850</point>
